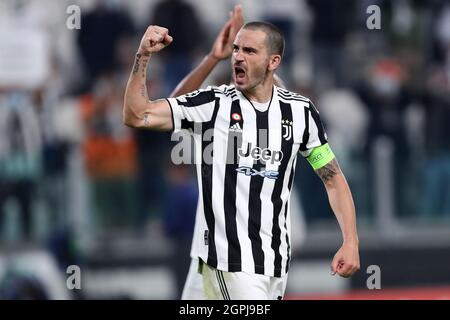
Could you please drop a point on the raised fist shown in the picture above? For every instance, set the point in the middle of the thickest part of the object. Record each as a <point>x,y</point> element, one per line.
<point>155,39</point>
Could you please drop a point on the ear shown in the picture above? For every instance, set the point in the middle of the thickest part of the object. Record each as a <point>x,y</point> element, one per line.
<point>274,62</point>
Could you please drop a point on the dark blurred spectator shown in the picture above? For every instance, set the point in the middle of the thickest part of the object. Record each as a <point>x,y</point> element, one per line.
<point>185,27</point>
<point>179,219</point>
<point>103,30</point>
<point>152,154</point>
<point>437,165</point>
<point>110,154</point>
<point>387,99</point>
<point>438,31</point>
<point>286,15</point>
<point>332,22</point>
<point>55,149</point>
<point>20,151</point>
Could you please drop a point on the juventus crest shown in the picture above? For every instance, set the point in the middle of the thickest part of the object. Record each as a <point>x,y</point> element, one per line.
<point>287,129</point>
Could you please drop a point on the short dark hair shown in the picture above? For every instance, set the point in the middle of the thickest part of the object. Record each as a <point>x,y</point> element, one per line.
<point>274,37</point>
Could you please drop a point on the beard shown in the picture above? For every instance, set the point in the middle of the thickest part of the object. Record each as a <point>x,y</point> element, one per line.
<point>251,79</point>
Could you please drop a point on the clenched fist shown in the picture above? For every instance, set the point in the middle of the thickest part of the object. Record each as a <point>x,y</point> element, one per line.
<point>155,39</point>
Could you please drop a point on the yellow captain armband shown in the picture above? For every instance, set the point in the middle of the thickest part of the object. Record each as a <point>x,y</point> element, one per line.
<point>320,156</point>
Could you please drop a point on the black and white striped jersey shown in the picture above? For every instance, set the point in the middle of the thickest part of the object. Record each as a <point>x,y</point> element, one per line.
<point>245,162</point>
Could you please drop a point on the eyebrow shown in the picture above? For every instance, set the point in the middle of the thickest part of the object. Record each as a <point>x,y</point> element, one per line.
<point>248,49</point>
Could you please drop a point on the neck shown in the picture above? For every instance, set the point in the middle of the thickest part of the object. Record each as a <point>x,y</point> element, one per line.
<point>261,92</point>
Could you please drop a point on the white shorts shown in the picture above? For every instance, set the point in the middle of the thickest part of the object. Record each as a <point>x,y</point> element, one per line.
<point>193,287</point>
<point>221,285</point>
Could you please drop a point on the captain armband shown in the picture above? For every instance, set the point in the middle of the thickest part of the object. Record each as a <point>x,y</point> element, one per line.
<point>320,156</point>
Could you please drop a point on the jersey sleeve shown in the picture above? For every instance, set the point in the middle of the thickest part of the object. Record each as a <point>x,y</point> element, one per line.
<point>191,108</point>
<point>315,147</point>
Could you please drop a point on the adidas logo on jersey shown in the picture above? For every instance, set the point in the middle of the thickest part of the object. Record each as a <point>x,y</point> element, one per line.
<point>235,128</point>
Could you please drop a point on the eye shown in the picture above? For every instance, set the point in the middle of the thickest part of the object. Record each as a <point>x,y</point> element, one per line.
<point>249,50</point>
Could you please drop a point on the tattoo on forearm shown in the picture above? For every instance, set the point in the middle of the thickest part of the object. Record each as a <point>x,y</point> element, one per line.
<point>328,171</point>
<point>144,91</point>
<point>140,63</point>
<point>144,68</point>
<point>137,63</point>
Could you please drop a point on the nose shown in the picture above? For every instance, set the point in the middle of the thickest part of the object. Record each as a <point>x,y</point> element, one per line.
<point>238,56</point>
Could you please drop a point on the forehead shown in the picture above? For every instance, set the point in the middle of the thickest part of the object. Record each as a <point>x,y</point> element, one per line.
<point>250,38</point>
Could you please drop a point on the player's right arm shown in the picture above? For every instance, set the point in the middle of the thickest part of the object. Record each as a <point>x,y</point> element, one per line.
<point>138,110</point>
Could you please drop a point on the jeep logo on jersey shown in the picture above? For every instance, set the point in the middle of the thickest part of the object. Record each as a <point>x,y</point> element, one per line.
<point>261,154</point>
<point>271,174</point>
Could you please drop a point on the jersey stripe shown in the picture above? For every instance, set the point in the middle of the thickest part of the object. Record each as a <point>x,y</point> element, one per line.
<point>292,96</point>
<point>229,199</point>
<point>254,204</point>
<point>305,138</point>
<point>219,189</point>
<point>274,143</point>
<point>207,172</point>
<point>197,98</point>
<point>286,217</point>
<point>315,116</point>
<point>286,148</point>
<point>243,184</point>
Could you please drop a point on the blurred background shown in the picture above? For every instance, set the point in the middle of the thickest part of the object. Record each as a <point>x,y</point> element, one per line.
<point>77,187</point>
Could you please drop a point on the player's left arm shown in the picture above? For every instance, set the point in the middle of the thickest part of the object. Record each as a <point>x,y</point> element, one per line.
<point>346,260</point>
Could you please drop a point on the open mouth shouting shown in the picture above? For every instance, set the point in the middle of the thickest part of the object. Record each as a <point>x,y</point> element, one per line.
<point>239,75</point>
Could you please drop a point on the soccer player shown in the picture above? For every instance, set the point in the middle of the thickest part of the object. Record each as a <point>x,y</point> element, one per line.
<point>255,131</point>
<point>221,50</point>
